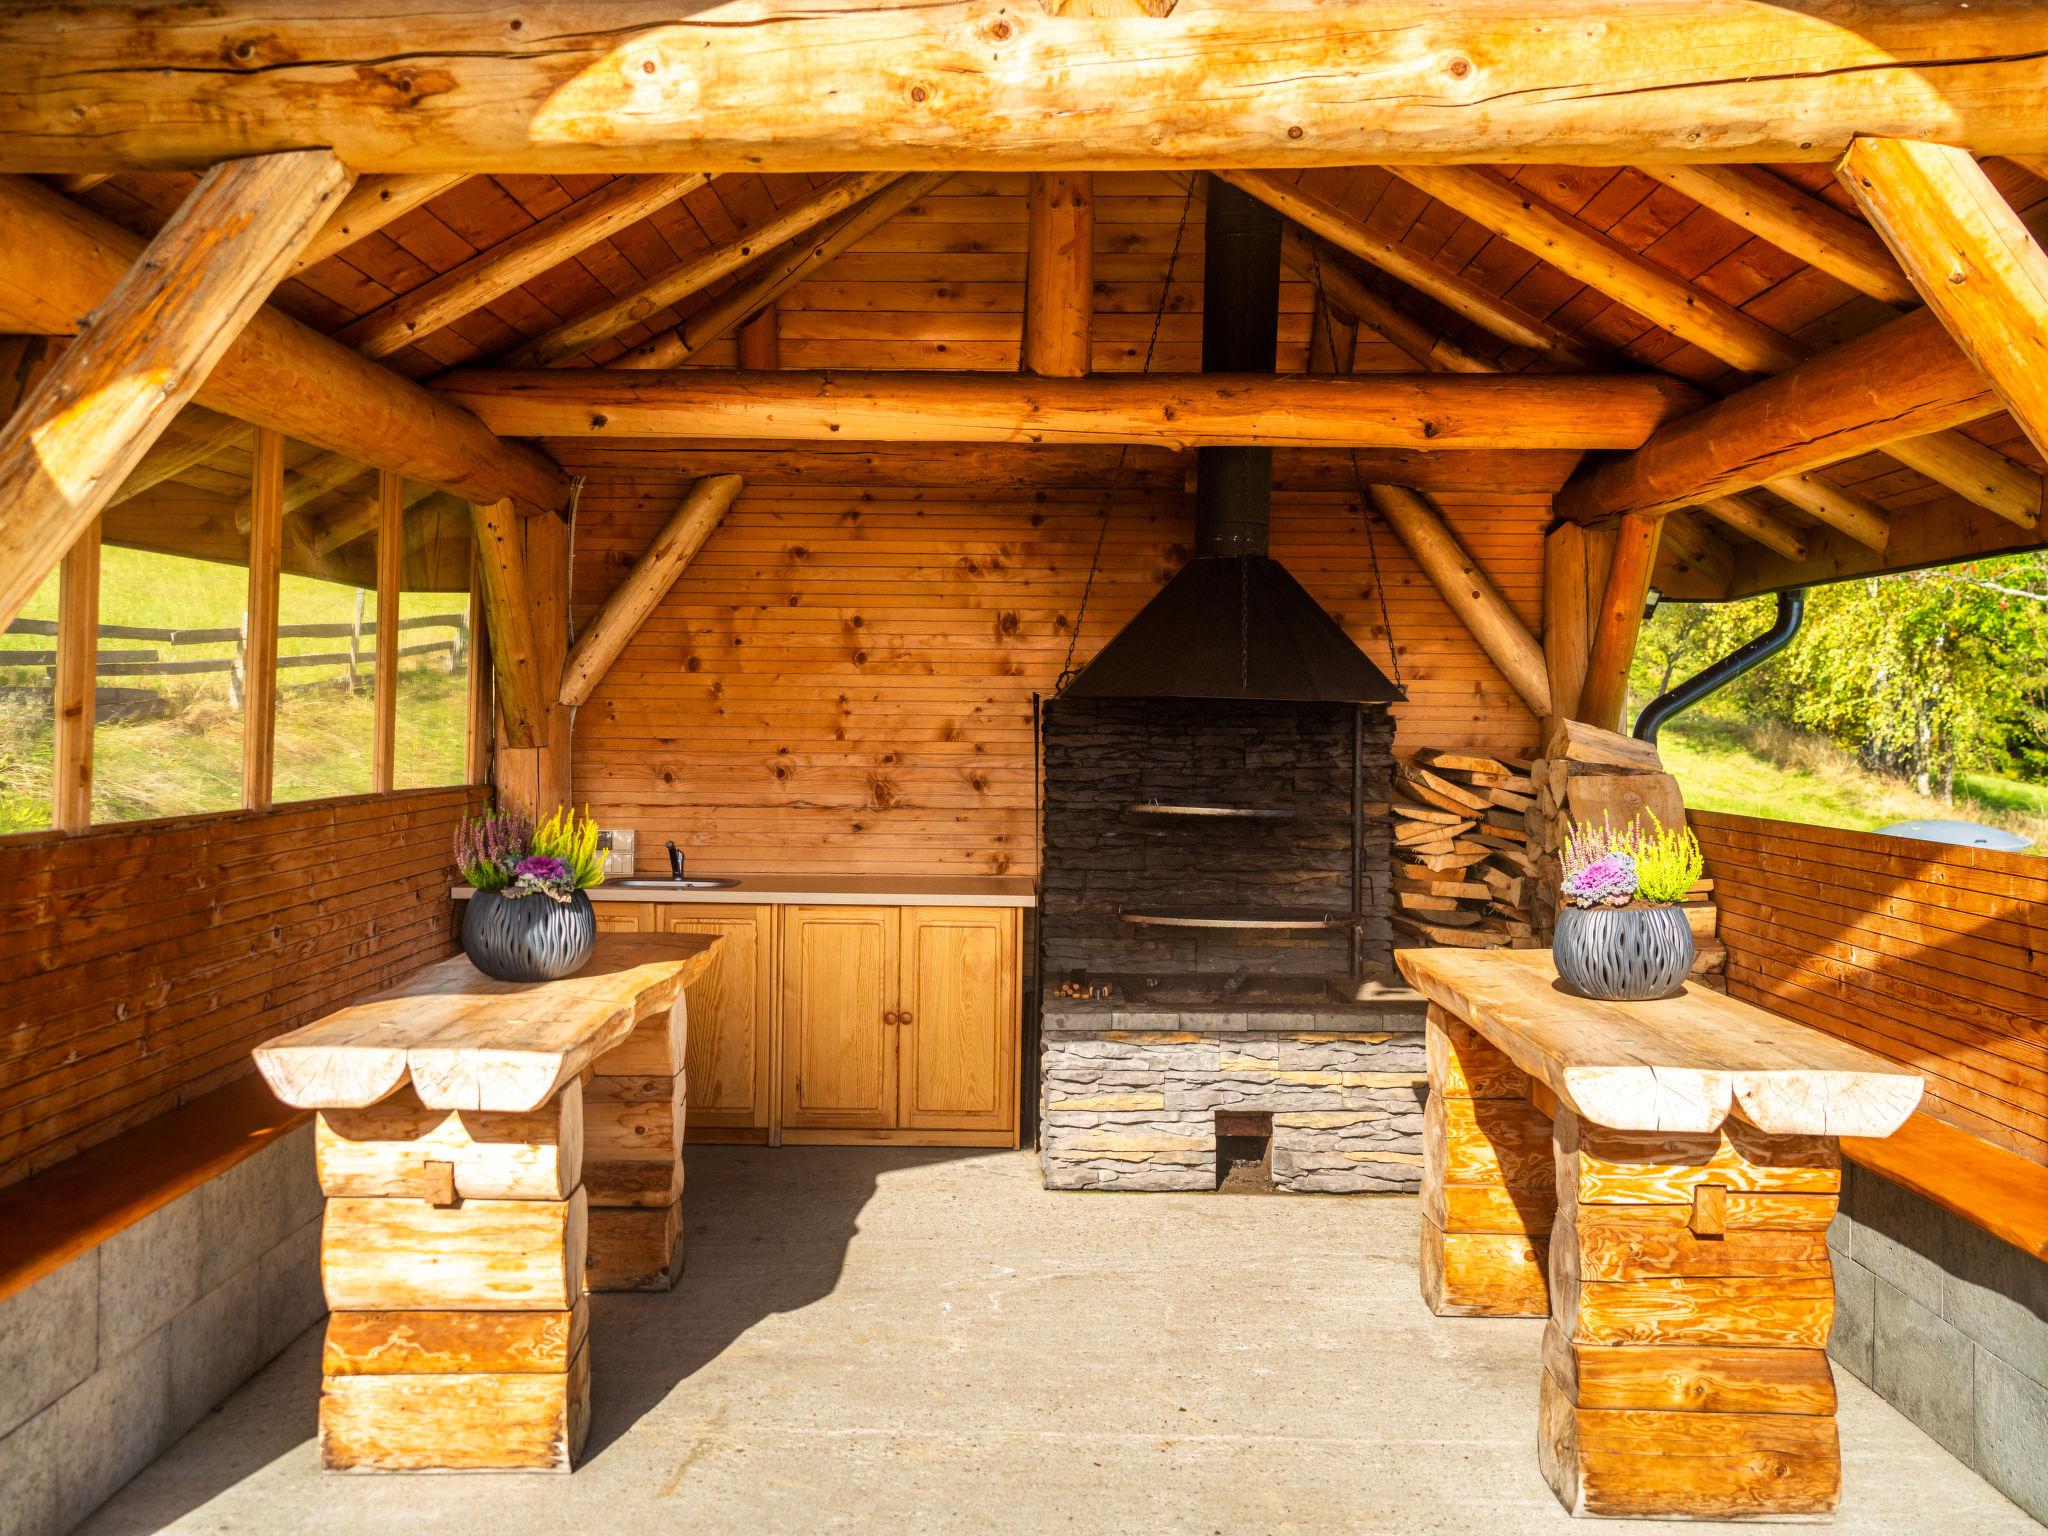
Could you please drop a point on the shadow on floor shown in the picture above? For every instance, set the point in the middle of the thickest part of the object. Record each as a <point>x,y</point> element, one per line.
<point>745,1259</point>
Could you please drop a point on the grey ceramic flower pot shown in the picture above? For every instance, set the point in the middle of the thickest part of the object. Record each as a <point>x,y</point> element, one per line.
<point>1623,954</point>
<point>530,938</point>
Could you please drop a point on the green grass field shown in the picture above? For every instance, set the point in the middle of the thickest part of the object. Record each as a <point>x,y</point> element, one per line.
<point>188,756</point>
<point>1785,775</point>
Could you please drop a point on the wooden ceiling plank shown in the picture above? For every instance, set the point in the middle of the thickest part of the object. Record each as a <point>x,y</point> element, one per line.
<point>63,261</point>
<point>105,85</point>
<point>1898,381</point>
<point>372,203</point>
<point>169,319</point>
<point>1758,521</point>
<point>1775,211</point>
<point>498,270</point>
<point>693,274</point>
<point>1685,311</point>
<point>1971,258</point>
<point>1391,410</point>
<point>782,271</point>
<point>1447,287</point>
<point>702,509</point>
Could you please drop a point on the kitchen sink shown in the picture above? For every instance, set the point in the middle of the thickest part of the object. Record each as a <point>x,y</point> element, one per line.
<point>667,883</point>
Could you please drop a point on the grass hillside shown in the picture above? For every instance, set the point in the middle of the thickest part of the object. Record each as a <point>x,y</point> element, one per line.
<point>1787,775</point>
<point>185,754</point>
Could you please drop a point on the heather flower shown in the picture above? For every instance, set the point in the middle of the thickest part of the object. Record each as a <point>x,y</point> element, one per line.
<point>488,847</point>
<point>1608,881</point>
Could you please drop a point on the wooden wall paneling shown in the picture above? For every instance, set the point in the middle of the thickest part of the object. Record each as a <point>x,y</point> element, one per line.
<point>1926,954</point>
<point>133,993</point>
<point>75,691</point>
<point>259,621</point>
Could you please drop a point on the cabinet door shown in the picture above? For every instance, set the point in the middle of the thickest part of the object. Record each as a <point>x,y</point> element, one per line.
<point>959,1041</point>
<point>729,1011</point>
<point>838,989</point>
<point>624,916</point>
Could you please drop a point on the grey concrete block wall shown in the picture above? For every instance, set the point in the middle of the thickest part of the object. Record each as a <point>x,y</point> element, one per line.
<point>1950,1326</point>
<point>106,1362</point>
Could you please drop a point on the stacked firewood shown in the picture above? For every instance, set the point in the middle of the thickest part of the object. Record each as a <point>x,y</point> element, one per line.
<point>1464,874</point>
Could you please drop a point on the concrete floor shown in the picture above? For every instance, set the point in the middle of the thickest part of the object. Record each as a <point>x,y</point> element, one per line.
<point>879,1340</point>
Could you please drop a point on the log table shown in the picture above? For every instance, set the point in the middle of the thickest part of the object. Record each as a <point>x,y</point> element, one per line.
<point>489,1151</point>
<point>1656,1179</point>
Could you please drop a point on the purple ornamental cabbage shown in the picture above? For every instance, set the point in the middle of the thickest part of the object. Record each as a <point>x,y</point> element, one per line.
<point>1609,881</point>
<point>540,867</point>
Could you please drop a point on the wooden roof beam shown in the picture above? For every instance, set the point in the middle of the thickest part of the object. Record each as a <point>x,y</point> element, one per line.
<point>156,336</point>
<point>1451,289</point>
<point>105,85</point>
<point>693,274</point>
<point>492,273</point>
<point>1317,262</point>
<point>1900,380</point>
<point>1718,328</point>
<point>61,260</point>
<point>1970,257</point>
<point>703,508</point>
<point>1796,222</point>
<point>779,274</point>
<point>1436,411</point>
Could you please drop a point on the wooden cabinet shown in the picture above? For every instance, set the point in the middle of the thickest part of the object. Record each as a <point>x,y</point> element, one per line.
<point>624,916</point>
<point>901,1020</point>
<point>732,1012</point>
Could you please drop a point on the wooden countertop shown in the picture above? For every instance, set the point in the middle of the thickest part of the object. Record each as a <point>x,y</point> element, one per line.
<point>1677,1064</point>
<point>835,891</point>
<point>468,1042</point>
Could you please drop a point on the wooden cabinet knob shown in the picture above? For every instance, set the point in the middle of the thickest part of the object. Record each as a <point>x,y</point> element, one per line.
<point>902,1018</point>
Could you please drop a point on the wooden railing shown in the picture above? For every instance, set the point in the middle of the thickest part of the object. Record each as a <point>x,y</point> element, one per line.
<point>1934,956</point>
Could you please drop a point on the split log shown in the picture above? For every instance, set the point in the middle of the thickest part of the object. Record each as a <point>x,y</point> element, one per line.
<point>636,1250</point>
<point>454,1343</point>
<point>382,1255</point>
<point>381,1150</point>
<point>1439,412</point>
<point>1969,255</point>
<point>703,508</point>
<point>973,85</point>
<point>152,343</point>
<point>514,1421</point>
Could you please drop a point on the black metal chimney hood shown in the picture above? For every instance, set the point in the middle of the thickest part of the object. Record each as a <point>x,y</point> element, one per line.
<point>1234,624</point>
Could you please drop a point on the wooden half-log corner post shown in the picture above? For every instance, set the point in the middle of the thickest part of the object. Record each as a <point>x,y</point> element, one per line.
<point>1059,274</point>
<point>1575,562</point>
<point>1471,594</point>
<point>259,620</point>
<point>1970,256</point>
<point>703,508</point>
<point>146,351</point>
<point>1620,620</point>
<point>76,685</point>
<point>501,583</point>
<point>390,569</point>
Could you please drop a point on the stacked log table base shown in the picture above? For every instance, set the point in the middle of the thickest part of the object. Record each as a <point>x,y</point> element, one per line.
<point>1685,1367</point>
<point>489,1153</point>
<point>1689,1294</point>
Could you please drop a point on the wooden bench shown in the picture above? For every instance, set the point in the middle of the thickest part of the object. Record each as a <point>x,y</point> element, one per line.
<point>489,1151</point>
<point>1657,1179</point>
<point>2000,1191</point>
<point>52,1218</point>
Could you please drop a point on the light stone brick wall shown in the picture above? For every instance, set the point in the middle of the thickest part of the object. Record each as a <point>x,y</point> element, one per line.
<point>1137,1110</point>
<point>107,1361</point>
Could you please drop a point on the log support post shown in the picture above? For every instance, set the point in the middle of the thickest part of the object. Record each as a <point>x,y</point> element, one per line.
<point>1618,622</point>
<point>76,691</point>
<point>1059,274</point>
<point>390,569</point>
<point>1575,562</point>
<point>259,641</point>
<point>525,585</point>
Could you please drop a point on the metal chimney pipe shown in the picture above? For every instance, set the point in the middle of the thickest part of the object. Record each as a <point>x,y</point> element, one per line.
<point>1240,334</point>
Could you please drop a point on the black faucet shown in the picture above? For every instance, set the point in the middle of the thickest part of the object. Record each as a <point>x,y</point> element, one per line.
<point>675,861</point>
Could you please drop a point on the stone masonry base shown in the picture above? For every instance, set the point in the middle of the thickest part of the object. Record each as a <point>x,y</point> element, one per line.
<point>1138,1111</point>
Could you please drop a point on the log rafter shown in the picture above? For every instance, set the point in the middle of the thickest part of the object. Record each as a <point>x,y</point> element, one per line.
<point>981,85</point>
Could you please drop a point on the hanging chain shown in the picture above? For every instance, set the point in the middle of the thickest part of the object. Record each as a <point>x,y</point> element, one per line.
<point>1244,624</point>
<point>1365,508</point>
<point>1123,454</point>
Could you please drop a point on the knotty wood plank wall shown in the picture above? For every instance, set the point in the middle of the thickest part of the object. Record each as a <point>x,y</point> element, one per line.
<point>1936,957</point>
<point>141,963</point>
<point>843,679</point>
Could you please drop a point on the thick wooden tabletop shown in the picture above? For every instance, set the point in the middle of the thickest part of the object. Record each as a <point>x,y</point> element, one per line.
<point>1677,1064</point>
<point>468,1042</point>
